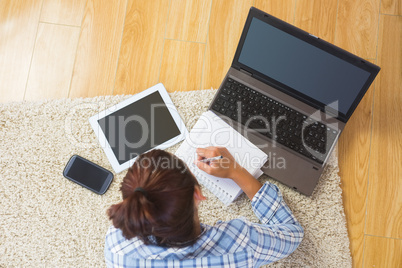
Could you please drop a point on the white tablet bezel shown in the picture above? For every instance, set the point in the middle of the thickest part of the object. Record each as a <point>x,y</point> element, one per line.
<point>104,142</point>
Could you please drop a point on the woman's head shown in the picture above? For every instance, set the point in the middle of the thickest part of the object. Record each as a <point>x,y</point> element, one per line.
<point>158,201</point>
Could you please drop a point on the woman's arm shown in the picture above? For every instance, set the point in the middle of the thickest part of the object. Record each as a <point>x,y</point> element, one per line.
<point>279,233</point>
<point>227,167</point>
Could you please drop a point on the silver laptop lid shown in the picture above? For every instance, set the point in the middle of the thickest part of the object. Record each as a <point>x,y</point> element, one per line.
<point>303,66</point>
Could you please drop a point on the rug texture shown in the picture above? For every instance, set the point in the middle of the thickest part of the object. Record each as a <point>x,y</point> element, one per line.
<point>48,221</point>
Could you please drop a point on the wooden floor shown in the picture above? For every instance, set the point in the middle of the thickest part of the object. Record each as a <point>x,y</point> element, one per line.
<point>84,48</point>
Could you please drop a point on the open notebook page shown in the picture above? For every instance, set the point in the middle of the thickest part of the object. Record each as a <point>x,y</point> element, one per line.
<point>210,130</point>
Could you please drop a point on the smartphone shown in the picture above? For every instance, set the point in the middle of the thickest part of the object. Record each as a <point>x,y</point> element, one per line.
<point>88,174</point>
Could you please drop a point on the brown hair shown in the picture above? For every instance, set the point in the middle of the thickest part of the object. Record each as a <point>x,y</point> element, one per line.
<point>162,210</point>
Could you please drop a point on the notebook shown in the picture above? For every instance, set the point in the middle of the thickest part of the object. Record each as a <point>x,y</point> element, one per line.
<point>211,130</point>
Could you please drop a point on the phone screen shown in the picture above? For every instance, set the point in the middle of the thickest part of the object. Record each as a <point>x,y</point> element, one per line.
<point>87,174</point>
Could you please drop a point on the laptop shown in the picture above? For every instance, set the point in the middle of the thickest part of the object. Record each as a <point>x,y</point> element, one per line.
<point>291,94</point>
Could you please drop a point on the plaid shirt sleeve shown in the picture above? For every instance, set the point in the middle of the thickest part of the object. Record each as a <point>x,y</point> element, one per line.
<point>279,233</point>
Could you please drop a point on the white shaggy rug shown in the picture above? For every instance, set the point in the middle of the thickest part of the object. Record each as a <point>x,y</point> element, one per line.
<point>48,221</point>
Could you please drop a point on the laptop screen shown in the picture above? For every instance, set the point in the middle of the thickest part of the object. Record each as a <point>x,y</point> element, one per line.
<point>301,68</point>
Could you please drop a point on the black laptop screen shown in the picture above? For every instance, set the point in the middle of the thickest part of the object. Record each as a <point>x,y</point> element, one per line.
<point>301,66</point>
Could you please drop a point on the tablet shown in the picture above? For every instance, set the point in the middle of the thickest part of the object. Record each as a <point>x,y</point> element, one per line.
<point>148,120</point>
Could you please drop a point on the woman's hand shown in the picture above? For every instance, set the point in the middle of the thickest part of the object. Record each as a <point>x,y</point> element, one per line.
<point>224,168</point>
<point>227,167</point>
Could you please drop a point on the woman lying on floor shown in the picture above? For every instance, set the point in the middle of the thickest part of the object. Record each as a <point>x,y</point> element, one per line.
<point>157,224</point>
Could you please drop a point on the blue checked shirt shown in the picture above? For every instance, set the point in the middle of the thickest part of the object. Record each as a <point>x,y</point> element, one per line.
<point>236,243</point>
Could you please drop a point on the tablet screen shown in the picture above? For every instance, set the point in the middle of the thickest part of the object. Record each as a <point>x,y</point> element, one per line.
<point>138,127</point>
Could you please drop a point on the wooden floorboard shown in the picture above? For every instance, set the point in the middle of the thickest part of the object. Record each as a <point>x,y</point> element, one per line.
<point>383,252</point>
<point>178,71</point>
<point>98,48</point>
<point>52,63</point>
<point>309,16</point>
<point>384,208</point>
<point>63,12</point>
<point>353,157</point>
<point>142,46</point>
<point>391,7</point>
<point>19,21</point>
<point>126,46</point>
<point>282,9</point>
<point>357,27</point>
<point>225,27</point>
<point>188,20</point>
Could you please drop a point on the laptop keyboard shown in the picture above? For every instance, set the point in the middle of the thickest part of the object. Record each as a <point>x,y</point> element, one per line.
<point>274,120</point>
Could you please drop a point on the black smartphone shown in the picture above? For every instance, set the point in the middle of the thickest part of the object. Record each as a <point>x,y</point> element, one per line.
<point>88,174</point>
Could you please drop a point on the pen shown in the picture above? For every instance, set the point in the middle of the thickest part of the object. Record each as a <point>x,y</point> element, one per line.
<point>211,159</point>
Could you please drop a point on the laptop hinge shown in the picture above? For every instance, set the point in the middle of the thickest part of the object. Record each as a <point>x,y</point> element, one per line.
<point>244,71</point>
